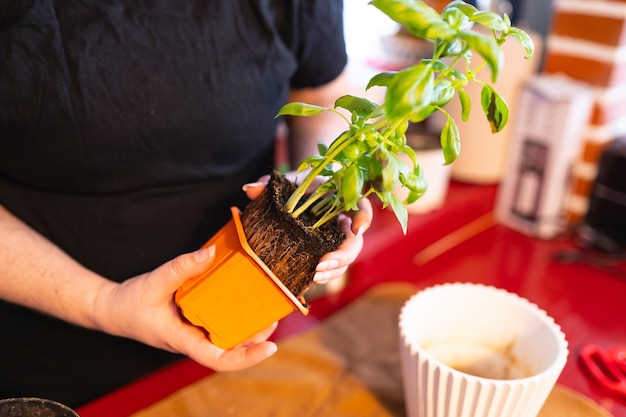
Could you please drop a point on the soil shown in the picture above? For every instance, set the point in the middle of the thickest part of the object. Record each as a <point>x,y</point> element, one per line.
<point>288,246</point>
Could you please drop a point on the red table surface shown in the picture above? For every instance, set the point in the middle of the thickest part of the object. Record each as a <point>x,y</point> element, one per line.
<point>589,304</point>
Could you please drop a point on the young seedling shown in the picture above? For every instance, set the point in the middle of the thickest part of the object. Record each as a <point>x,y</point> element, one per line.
<point>366,158</point>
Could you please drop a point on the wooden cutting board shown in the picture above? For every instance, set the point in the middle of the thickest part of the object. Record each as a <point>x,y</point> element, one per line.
<point>347,366</point>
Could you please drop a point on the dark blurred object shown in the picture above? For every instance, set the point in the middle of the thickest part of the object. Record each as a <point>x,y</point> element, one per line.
<point>604,226</point>
<point>34,407</point>
<point>610,263</point>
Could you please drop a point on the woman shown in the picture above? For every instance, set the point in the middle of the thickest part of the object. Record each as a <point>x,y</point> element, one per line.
<point>126,132</point>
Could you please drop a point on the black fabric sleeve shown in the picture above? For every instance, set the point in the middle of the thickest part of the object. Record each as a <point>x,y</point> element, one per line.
<point>321,50</point>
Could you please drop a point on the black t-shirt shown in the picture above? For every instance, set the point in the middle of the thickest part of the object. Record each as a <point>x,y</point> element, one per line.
<point>126,131</point>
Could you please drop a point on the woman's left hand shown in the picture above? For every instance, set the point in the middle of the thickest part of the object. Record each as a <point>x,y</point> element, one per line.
<point>333,264</point>
<point>354,224</point>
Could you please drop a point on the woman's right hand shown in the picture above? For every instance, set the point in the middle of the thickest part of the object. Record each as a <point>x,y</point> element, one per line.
<point>143,308</point>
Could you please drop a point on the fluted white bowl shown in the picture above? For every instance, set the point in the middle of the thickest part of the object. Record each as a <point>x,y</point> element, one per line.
<point>470,350</point>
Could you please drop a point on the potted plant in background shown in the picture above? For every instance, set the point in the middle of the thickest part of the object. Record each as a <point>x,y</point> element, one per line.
<point>266,256</point>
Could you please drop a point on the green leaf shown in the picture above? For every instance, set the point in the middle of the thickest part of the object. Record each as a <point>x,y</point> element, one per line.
<point>391,168</point>
<point>402,128</point>
<point>375,169</point>
<point>395,143</point>
<point>359,105</point>
<point>490,20</point>
<point>322,148</point>
<point>450,140</point>
<point>442,93</point>
<point>495,108</point>
<point>399,209</point>
<point>452,48</point>
<point>404,171</point>
<point>457,76</point>
<point>410,92</point>
<point>416,184</point>
<point>303,165</point>
<point>488,48</point>
<point>466,104</point>
<point>440,30</point>
<point>371,139</point>
<point>416,16</point>
<point>363,161</point>
<point>466,8</point>
<point>438,65</point>
<point>507,20</point>
<point>415,195</point>
<point>381,80</point>
<point>412,197</point>
<point>300,109</point>
<point>525,40</point>
<point>351,186</point>
<point>455,17</point>
<point>350,153</point>
<point>423,114</point>
<point>327,187</point>
<point>410,152</point>
<point>420,183</point>
<point>311,160</point>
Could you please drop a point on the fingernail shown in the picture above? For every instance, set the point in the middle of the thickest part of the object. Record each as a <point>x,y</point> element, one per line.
<point>326,265</point>
<point>251,184</point>
<point>322,277</point>
<point>273,348</point>
<point>204,254</point>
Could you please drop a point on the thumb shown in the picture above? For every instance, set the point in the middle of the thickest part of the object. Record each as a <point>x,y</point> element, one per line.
<point>186,266</point>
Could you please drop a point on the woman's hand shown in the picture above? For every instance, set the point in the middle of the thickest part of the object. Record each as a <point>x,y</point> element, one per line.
<point>333,264</point>
<point>143,308</point>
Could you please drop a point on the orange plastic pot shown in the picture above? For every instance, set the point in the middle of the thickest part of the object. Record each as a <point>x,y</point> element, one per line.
<point>238,295</point>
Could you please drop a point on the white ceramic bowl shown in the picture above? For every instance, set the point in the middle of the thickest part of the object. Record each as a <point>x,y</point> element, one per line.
<point>470,350</point>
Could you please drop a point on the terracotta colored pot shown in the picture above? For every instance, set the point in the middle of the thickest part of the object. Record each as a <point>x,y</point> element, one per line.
<point>238,296</point>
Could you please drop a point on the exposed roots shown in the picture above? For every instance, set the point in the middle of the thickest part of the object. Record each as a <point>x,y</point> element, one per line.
<point>288,246</point>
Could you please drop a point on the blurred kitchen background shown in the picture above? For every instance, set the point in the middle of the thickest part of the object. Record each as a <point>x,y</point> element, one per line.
<point>560,164</point>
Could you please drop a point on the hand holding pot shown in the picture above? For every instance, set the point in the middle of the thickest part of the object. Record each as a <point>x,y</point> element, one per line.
<point>142,308</point>
<point>333,264</point>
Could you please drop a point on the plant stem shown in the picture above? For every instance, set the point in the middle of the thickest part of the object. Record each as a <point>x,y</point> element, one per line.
<point>308,203</point>
<point>300,191</point>
<point>337,146</point>
<point>329,215</point>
